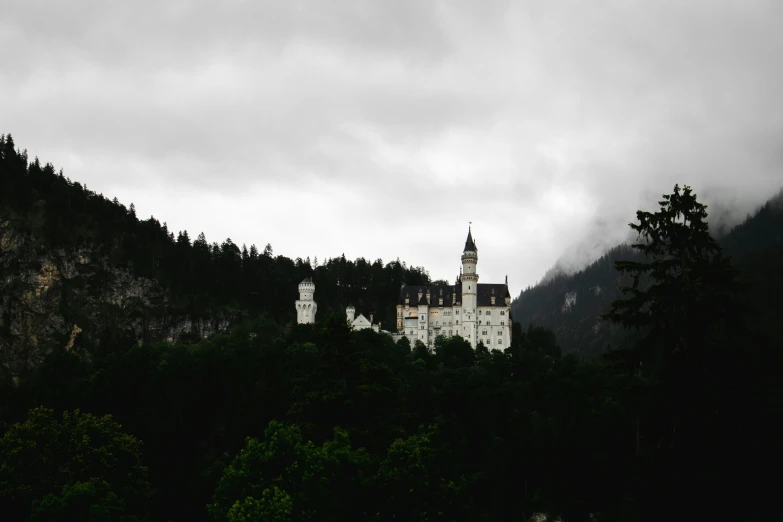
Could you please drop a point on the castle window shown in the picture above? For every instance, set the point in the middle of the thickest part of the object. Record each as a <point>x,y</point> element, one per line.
<point>502,323</point>
<point>457,321</point>
<point>457,312</point>
<point>500,342</point>
<point>502,312</point>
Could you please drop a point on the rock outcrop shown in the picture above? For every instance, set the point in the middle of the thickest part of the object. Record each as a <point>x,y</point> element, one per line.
<point>61,298</point>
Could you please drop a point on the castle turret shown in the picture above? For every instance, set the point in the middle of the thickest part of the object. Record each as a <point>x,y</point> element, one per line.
<point>350,314</point>
<point>469,281</point>
<point>306,307</point>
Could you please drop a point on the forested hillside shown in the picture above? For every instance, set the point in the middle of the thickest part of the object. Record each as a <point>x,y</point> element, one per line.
<point>73,260</point>
<point>571,304</point>
<point>265,420</point>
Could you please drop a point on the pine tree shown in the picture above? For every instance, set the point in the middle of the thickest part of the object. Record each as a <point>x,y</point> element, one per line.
<point>692,285</point>
<point>689,323</point>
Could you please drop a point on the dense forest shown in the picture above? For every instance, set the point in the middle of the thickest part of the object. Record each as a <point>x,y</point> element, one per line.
<point>54,224</point>
<point>271,421</point>
<point>200,275</point>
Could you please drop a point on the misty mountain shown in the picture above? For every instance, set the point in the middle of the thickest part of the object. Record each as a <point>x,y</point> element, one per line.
<point>571,304</point>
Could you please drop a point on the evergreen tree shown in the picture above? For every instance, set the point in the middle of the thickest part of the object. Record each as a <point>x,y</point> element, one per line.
<point>690,323</point>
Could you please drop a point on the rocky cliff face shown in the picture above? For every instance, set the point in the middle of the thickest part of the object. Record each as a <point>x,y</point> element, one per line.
<point>54,299</point>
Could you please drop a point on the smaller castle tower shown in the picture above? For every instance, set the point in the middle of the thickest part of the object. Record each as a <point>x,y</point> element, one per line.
<point>305,305</point>
<point>350,314</point>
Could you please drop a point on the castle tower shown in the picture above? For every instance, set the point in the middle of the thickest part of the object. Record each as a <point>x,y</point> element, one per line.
<point>469,280</point>
<point>424,319</point>
<point>350,314</point>
<point>305,305</point>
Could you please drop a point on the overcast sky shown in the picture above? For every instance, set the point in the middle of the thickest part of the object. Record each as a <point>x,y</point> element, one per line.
<point>379,129</point>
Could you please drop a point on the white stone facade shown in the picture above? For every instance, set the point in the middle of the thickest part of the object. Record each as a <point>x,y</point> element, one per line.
<point>361,322</point>
<point>306,307</point>
<point>476,312</point>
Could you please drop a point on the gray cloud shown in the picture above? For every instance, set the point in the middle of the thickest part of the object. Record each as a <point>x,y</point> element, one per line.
<point>379,129</point>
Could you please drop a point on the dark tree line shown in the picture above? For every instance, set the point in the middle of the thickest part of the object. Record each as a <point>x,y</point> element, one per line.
<point>202,277</point>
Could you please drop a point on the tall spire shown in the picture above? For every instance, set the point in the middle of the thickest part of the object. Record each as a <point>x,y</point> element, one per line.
<point>470,245</point>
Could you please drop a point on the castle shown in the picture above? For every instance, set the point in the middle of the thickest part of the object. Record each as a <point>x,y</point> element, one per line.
<point>477,312</point>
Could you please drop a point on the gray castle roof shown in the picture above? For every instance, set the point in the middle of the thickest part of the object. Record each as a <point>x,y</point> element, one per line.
<point>452,294</point>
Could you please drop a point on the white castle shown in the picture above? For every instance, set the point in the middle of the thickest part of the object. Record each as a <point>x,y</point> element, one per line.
<point>473,311</point>
<point>305,305</point>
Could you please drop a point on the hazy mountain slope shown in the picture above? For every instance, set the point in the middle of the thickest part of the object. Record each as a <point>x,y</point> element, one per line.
<point>570,305</point>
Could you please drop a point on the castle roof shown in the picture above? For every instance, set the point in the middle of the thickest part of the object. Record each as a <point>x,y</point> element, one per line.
<point>470,245</point>
<point>436,292</point>
<point>486,291</point>
<point>452,294</point>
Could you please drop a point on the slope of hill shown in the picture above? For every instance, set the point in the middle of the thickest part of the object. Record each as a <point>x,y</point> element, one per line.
<point>80,270</point>
<point>571,305</point>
